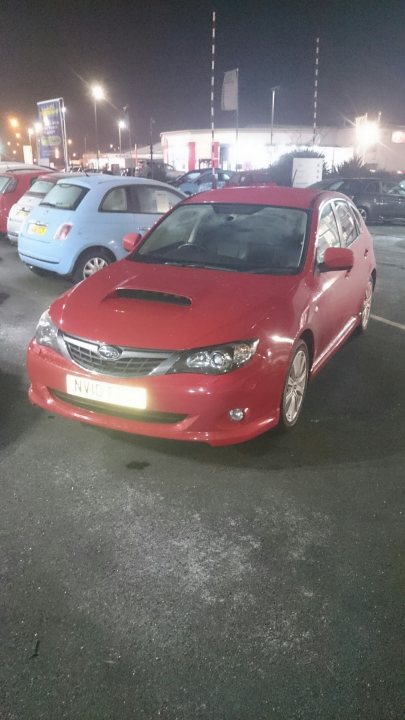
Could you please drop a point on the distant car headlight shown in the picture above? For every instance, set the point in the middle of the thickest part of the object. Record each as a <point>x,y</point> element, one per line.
<point>47,333</point>
<point>216,360</point>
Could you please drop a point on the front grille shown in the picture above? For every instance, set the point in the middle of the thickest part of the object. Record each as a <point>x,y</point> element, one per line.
<point>125,413</point>
<point>131,363</point>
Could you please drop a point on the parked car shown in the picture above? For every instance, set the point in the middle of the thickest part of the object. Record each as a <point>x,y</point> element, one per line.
<point>189,176</point>
<point>78,227</point>
<point>156,169</point>
<point>197,181</point>
<point>211,328</point>
<point>378,200</point>
<point>245,178</point>
<point>14,182</point>
<point>27,202</point>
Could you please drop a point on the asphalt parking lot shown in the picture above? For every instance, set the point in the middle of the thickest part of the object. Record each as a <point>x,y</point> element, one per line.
<point>145,579</point>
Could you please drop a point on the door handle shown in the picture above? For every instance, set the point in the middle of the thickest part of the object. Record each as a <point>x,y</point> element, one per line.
<point>366,252</point>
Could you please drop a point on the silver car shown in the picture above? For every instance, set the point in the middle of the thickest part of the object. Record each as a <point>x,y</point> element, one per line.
<point>27,202</point>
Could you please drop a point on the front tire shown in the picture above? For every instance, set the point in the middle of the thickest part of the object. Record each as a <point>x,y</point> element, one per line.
<point>295,387</point>
<point>91,262</point>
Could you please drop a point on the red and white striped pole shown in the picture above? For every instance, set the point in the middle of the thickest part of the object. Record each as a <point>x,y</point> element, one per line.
<point>212,97</point>
<point>316,91</point>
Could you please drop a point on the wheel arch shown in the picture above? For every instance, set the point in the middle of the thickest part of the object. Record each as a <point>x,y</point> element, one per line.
<point>94,248</point>
<point>308,337</point>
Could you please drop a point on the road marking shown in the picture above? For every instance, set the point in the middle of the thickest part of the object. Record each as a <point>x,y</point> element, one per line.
<point>388,322</point>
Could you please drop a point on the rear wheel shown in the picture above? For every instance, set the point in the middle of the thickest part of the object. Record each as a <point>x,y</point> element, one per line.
<point>91,262</point>
<point>364,213</point>
<point>365,311</point>
<point>295,387</point>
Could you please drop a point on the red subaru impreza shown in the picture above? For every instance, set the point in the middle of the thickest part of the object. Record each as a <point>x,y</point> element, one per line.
<point>212,326</point>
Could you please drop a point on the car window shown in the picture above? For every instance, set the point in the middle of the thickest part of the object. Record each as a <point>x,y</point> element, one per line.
<point>348,225</point>
<point>115,201</point>
<point>3,183</point>
<point>40,188</point>
<point>396,190</point>
<point>7,184</point>
<point>337,185</point>
<point>65,196</point>
<point>155,199</point>
<point>328,232</point>
<point>387,187</point>
<point>372,187</point>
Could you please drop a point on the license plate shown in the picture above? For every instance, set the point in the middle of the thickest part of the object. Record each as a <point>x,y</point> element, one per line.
<point>103,392</point>
<point>38,229</point>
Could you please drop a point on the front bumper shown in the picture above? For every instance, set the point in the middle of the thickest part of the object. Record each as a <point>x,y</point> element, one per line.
<point>189,407</point>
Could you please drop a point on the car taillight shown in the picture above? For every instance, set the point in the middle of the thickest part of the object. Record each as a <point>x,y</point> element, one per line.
<point>63,231</point>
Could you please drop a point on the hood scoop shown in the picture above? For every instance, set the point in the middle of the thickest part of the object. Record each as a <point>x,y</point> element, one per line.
<point>153,295</point>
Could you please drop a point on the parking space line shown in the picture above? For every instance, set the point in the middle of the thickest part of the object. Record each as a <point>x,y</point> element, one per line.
<point>388,322</point>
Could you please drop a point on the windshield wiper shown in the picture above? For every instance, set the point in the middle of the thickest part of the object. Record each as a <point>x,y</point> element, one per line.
<point>47,204</point>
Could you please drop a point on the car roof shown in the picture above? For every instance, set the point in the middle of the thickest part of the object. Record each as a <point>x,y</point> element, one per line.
<point>260,195</point>
<point>15,172</point>
<point>91,181</point>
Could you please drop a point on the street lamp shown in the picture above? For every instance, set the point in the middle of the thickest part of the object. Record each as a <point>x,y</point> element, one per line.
<point>121,126</point>
<point>98,94</point>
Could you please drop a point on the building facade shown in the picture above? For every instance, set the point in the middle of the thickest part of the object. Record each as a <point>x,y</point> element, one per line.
<point>380,147</point>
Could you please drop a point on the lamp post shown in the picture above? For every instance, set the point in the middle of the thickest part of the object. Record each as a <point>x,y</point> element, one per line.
<point>121,126</point>
<point>38,131</point>
<point>98,94</point>
<point>30,134</point>
<point>273,100</point>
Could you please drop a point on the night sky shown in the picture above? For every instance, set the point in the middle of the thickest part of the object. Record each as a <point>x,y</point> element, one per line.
<point>155,56</point>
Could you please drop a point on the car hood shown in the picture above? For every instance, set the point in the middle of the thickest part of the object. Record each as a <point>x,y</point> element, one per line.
<point>172,308</point>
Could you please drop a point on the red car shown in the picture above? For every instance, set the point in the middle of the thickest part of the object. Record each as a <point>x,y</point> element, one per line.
<point>212,326</point>
<point>13,184</point>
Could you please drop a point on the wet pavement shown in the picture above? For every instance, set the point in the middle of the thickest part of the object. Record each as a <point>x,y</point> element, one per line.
<point>145,579</point>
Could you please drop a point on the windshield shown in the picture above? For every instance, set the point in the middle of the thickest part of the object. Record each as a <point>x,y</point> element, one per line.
<point>236,237</point>
<point>65,196</point>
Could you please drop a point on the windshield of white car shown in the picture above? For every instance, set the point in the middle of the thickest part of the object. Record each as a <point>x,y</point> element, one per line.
<point>236,237</point>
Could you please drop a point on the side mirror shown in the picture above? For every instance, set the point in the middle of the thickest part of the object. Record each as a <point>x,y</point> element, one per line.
<point>131,241</point>
<point>337,259</point>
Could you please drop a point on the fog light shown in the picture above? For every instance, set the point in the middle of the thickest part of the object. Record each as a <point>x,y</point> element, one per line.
<point>237,414</point>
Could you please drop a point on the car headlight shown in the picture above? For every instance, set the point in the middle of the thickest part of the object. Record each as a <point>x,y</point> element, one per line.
<point>215,360</point>
<point>46,332</point>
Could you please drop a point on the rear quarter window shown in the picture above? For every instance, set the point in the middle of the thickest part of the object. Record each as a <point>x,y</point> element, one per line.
<point>7,184</point>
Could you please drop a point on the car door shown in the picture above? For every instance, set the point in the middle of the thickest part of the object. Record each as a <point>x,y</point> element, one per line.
<point>354,235</point>
<point>115,218</point>
<point>394,202</point>
<point>367,197</point>
<point>328,308</point>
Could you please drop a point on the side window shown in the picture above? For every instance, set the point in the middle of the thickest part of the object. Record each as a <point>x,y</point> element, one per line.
<point>328,233</point>
<point>387,187</point>
<point>115,201</point>
<point>349,230</point>
<point>155,200</point>
<point>372,187</point>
